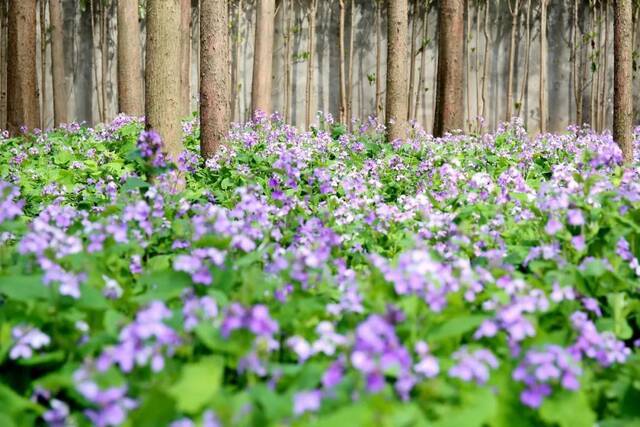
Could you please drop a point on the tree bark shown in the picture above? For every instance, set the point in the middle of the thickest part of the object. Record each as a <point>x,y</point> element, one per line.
<point>130,87</point>
<point>185,56</point>
<point>543,65</point>
<point>485,60</point>
<point>43,63</point>
<point>22,80</point>
<point>341,70</point>
<point>397,52</point>
<point>525,77</point>
<point>350,69</point>
<point>623,82</point>
<point>412,60</point>
<point>263,57</point>
<point>512,54</point>
<point>3,64</point>
<point>449,112</point>
<point>378,24</point>
<point>104,55</point>
<point>215,80</point>
<point>162,83</point>
<point>310,63</point>
<point>57,63</point>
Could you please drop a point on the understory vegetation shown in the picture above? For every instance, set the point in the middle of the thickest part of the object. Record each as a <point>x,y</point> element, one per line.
<point>321,278</point>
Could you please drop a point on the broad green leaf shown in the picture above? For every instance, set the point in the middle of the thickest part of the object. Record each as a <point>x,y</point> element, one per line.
<point>568,409</point>
<point>456,327</point>
<point>198,384</point>
<point>24,288</point>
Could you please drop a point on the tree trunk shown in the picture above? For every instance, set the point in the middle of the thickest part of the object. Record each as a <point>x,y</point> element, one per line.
<point>577,57</point>
<point>423,60</point>
<point>378,24</point>
<point>449,112</point>
<point>162,83</point>
<point>57,63</point>
<point>525,77</point>
<point>350,69</point>
<point>22,80</point>
<point>485,60</point>
<point>214,75</point>
<point>543,65</point>
<point>623,82</point>
<point>310,63</point>
<point>95,61</point>
<point>43,63</point>
<point>3,64</point>
<point>286,81</point>
<point>341,70</point>
<point>185,56</point>
<point>605,70</point>
<point>263,58</point>
<point>237,83</point>
<point>130,87</point>
<point>412,60</point>
<point>104,55</point>
<point>397,52</point>
<point>512,56</point>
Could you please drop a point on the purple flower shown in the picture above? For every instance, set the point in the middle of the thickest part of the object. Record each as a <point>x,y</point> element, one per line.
<point>27,339</point>
<point>307,401</point>
<point>333,375</point>
<point>553,226</point>
<point>575,217</point>
<point>473,366</point>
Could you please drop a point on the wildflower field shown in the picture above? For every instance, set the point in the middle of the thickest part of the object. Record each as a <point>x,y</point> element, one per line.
<point>321,278</point>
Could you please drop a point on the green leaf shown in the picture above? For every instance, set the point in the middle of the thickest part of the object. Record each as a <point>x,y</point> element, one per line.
<point>478,407</point>
<point>568,409</point>
<point>163,285</point>
<point>198,384</point>
<point>92,299</point>
<point>157,409</point>
<point>24,288</point>
<point>456,327</point>
<point>133,183</point>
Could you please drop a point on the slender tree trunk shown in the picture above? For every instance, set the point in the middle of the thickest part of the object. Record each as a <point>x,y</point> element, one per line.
<point>477,56</point>
<point>577,57</point>
<point>57,63</point>
<point>449,113</point>
<point>599,71</point>
<point>95,61</point>
<point>543,65</point>
<point>22,80</point>
<point>237,82</point>
<point>378,24</point>
<point>104,54</point>
<point>3,64</point>
<point>396,110</point>
<point>43,63</point>
<point>130,87</point>
<point>412,62</point>
<point>286,17</point>
<point>605,69</point>
<point>162,83</point>
<point>185,56</point>
<point>467,59</point>
<point>341,70</point>
<point>623,81</point>
<point>214,75</point>
<point>525,78</point>
<point>515,10</point>
<point>485,59</point>
<point>310,63</point>
<point>350,69</point>
<point>423,59</point>
<point>262,61</point>
<point>594,56</point>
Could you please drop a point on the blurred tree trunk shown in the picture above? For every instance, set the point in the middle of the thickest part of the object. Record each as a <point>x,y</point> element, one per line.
<point>130,87</point>
<point>543,65</point>
<point>162,83</point>
<point>397,54</point>
<point>57,63</point>
<point>378,23</point>
<point>341,70</point>
<point>43,64</point>
<point>449,111</point>
<point>185,56</point>
<point>215,80</point>
<point>104,54</point>
<point>415,5</point>
<point>623,82</point>
<point>263,57</point>
<point>514,11</point>
<point>310,62</point>
<point>22,80</point>
<point>352,10</point>
<point>3,64</point>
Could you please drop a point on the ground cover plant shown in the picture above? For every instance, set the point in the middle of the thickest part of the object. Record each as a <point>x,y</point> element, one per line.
<point>318,278</point>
